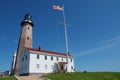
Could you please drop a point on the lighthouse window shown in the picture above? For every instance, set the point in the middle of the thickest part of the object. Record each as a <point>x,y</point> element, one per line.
<point>28,28</point>
<point>27,38</point>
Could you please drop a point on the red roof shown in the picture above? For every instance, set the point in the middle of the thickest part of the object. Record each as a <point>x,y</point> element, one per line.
<point>46,51</point>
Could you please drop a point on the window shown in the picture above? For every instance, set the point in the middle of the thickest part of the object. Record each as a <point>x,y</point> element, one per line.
<point>26,57</point>
<point>71,60</point>
<point>66,59</point>
<point>45,57</point>
<point>72,67</point>
<point>38,66</point>
<point>22,68</point>
<point>22,58</point>
<point>45,66</point>
<point>25,67</point>
<point>51,57</point>
<point>38,56</point>
<point>62,58</point>
<point>57,58</point>
<point>52,67</point>
<point>28,28</point>
<point>27,38</point>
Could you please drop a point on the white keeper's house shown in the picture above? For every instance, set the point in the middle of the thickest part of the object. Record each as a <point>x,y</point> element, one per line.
<point>30,61</point>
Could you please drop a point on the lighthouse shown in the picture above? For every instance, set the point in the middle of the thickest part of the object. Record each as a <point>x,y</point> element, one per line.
<point>25,40</point>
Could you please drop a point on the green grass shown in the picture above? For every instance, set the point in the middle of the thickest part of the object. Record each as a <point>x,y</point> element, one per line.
<point>7,78</point>
<point>85,76</point>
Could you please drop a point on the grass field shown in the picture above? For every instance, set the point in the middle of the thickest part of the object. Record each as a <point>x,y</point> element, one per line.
<point>8,78</point>
<point>85,76</point>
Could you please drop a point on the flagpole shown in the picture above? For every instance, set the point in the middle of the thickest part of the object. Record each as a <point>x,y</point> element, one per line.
<point>66,39</point>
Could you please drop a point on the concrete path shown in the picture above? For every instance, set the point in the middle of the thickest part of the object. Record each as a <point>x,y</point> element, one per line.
<point>29,78</point>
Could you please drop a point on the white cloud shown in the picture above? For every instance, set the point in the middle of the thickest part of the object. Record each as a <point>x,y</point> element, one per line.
<point>101,46</point>
<point>108,41</point>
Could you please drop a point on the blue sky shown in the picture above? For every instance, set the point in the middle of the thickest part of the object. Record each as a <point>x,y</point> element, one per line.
<point>93,30</point>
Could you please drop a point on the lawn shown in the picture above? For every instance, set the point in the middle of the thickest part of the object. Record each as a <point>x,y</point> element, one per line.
<point>85,76</point>
<point>7,78</point>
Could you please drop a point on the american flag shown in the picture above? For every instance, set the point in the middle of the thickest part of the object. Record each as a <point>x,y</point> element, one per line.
<point>57,7</point>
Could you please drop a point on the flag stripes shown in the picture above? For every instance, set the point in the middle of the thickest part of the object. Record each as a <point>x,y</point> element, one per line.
<point>56,7</point>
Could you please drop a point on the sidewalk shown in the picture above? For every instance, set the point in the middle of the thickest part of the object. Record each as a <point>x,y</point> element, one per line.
<point>28,78</point>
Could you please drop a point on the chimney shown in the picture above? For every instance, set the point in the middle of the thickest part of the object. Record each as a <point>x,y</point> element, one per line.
<point>39,48</point>
<point>68,53</point>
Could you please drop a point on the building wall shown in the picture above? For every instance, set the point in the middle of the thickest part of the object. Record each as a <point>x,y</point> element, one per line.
<point>46,66</point>
<point>36,65</point>
<point>71,67</point>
